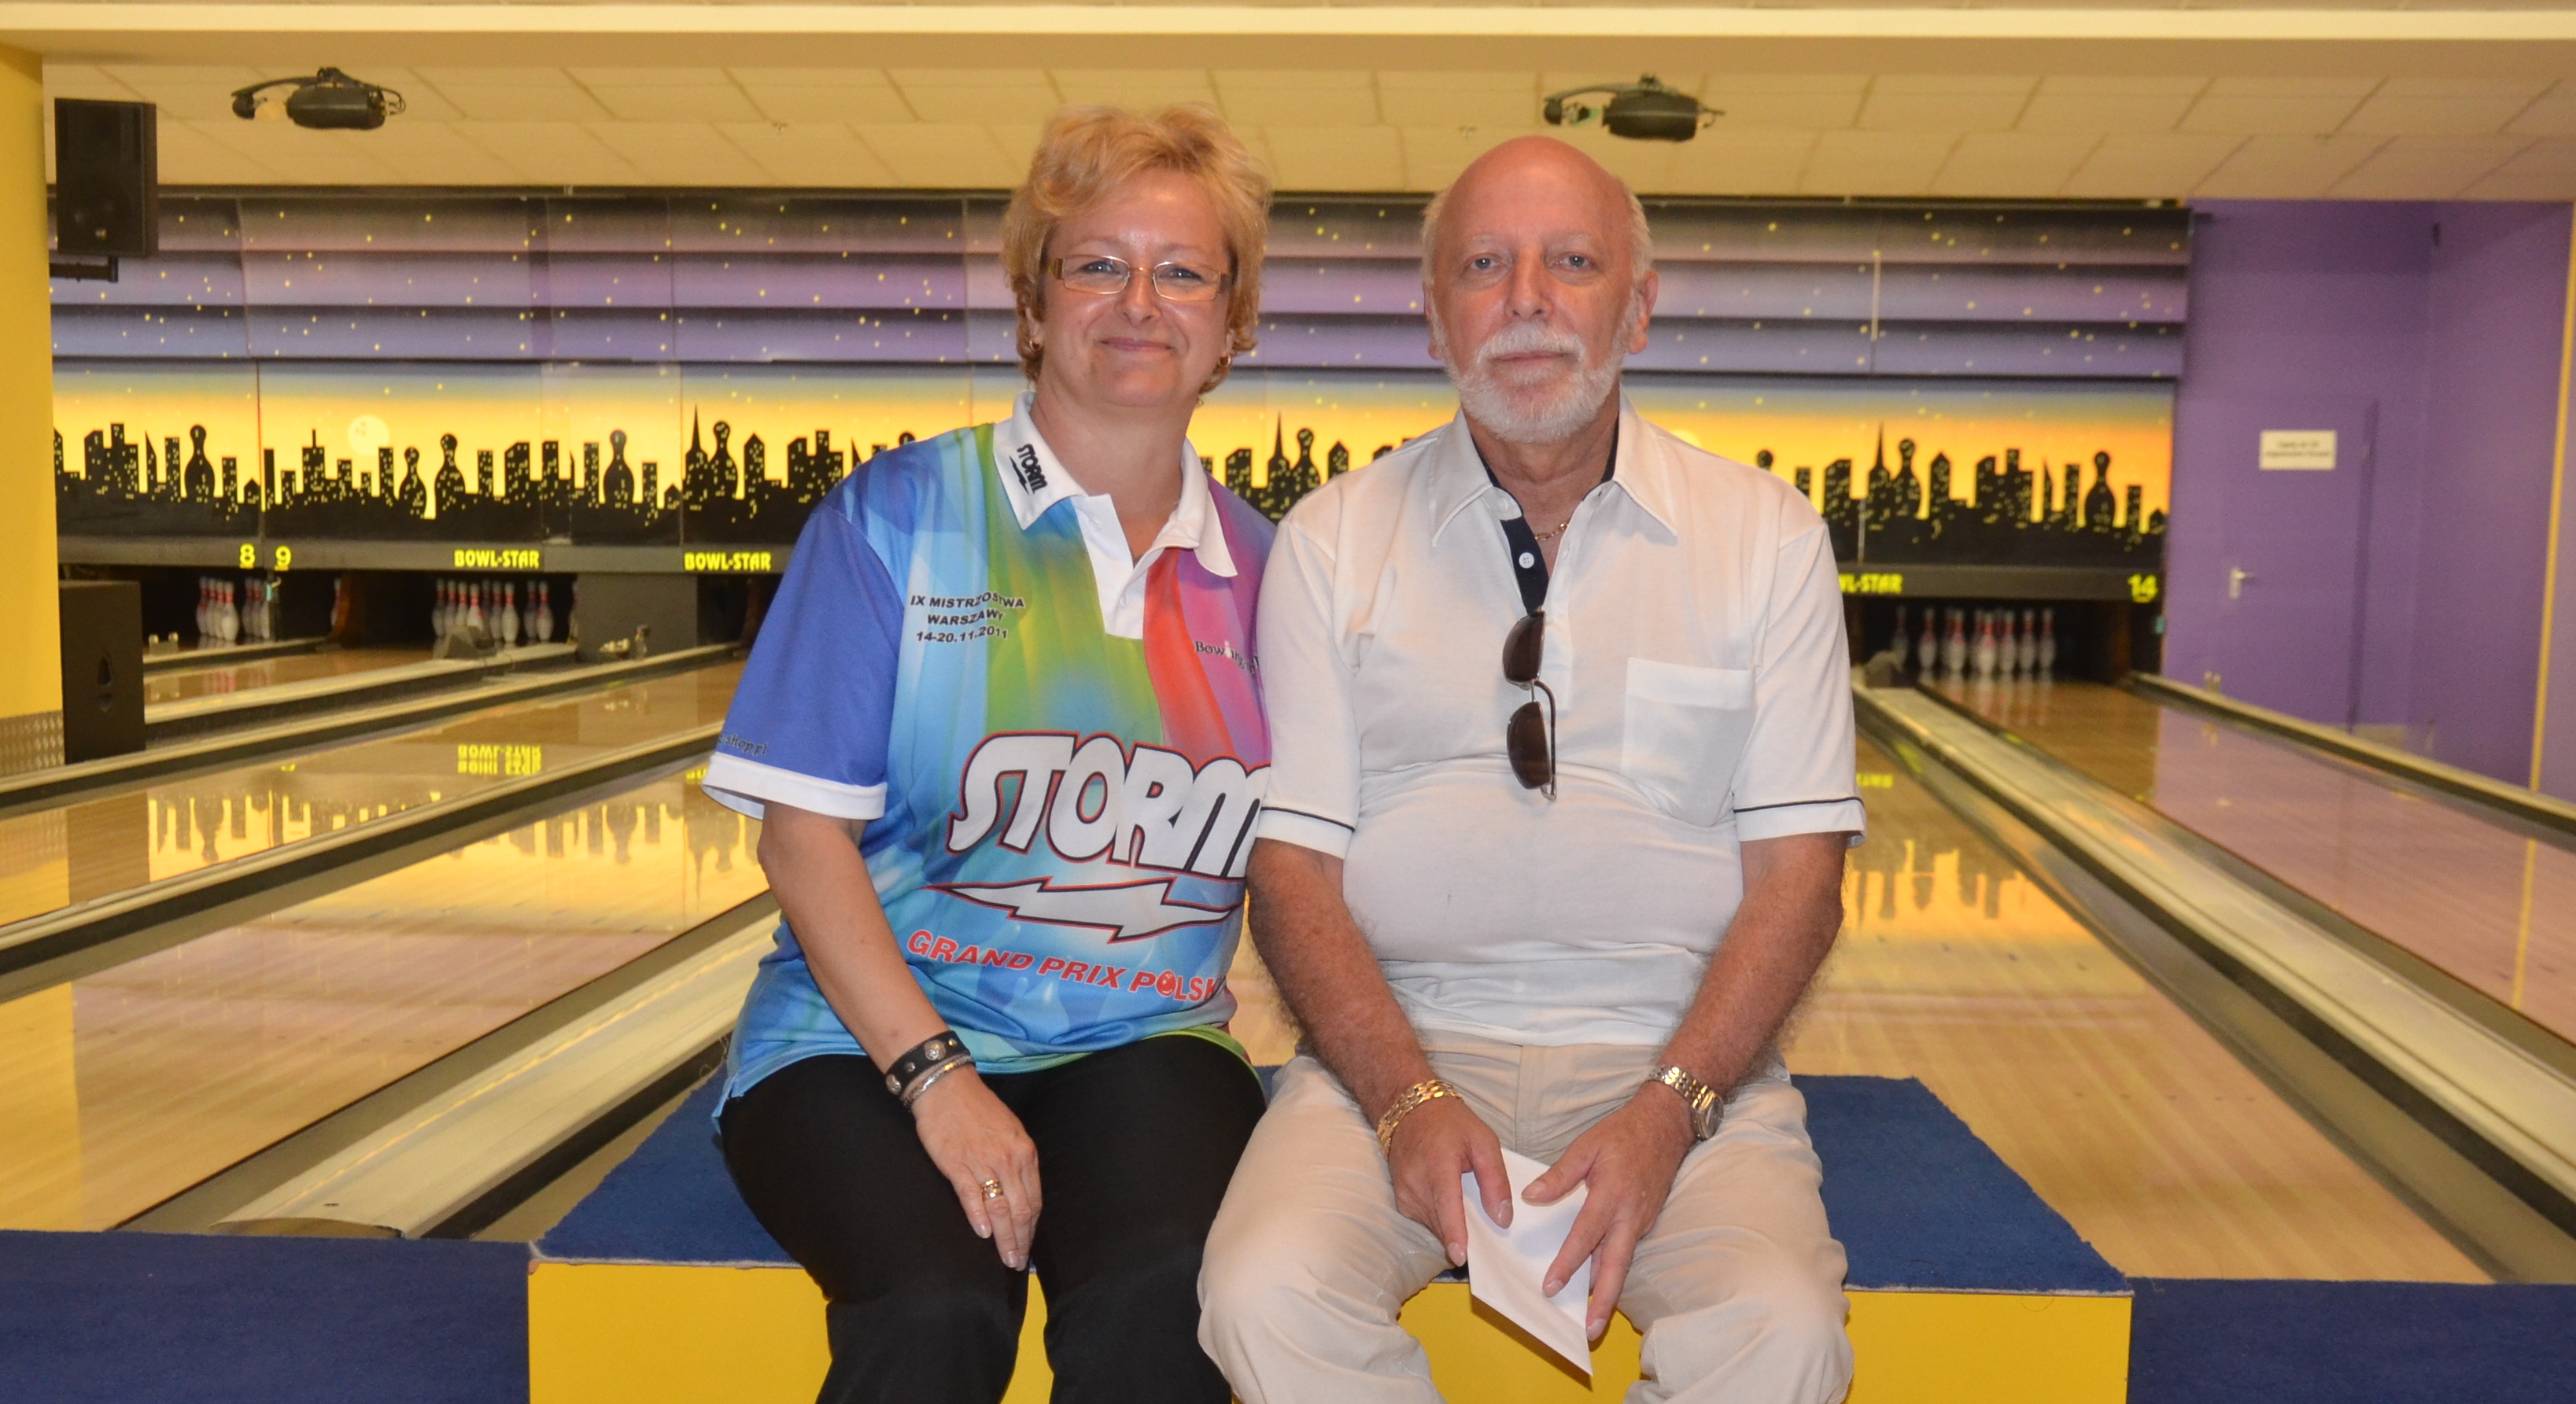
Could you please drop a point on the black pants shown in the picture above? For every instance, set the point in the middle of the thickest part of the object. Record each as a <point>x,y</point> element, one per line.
<point>1135,1146</point>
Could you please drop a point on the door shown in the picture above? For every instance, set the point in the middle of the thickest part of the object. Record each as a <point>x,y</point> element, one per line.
<point>2267,564</point>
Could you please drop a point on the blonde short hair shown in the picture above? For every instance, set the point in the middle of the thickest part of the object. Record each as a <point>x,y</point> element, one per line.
<point>1087,154</point>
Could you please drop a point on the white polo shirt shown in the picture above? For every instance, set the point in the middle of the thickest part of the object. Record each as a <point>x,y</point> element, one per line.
<point>1703,688</point>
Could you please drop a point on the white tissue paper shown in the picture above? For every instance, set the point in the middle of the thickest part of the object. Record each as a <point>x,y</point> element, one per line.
<point>1506,1266</point>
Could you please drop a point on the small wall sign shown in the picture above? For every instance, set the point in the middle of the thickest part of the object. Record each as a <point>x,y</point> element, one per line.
<point>2301,450</point>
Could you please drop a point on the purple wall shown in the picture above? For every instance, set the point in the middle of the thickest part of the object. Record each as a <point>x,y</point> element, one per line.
<point>2456,345</point>
<point>2498,318</point>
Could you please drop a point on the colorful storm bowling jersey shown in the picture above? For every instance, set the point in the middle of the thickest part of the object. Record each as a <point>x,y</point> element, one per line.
<point>1058,750</point>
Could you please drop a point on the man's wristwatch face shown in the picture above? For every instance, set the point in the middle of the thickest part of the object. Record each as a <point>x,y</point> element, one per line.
<point>1696,1095</point>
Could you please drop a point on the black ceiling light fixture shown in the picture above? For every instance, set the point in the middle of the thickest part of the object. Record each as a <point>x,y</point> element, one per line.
<point>1645,110</point>
<point>329,101</point>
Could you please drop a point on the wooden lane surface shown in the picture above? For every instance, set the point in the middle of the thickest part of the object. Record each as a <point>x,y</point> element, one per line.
<point>2491,905</point>
<point>123,1088</point>
<point>50,858</point>
<point>219,679</point>
<point>2124,1114</point>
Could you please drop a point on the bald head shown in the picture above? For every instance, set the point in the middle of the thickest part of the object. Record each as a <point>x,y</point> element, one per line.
<point>1546,168</point>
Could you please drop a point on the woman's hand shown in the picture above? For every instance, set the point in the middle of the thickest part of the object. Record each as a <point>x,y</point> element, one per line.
<point>973,1139</point>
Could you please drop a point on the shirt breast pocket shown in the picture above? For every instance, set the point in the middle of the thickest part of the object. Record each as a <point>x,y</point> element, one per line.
<point>1686,729</point>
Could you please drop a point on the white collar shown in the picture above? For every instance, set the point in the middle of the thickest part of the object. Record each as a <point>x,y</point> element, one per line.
<point>1034,479</point>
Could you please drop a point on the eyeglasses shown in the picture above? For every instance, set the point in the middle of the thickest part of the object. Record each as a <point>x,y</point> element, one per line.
<point>1530,738</point>
<point>1173,282</point>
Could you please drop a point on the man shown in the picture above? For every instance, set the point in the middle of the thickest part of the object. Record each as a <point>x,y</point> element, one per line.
<point>1511,873</point>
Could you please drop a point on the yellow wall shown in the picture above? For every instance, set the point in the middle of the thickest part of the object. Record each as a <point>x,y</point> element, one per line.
<point>30,638</point>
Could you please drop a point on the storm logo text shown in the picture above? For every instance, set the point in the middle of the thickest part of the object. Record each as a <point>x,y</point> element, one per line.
<point>1094,799</point>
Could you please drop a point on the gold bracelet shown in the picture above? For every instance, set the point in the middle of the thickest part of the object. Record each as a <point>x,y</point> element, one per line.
<point>1407,1103</point>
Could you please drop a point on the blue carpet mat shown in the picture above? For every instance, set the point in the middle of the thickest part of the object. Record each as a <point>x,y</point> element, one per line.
<point>1917,1199</point>
<point>670,1202</point>
<point>187,1320</point>
<point>2219,1342</point>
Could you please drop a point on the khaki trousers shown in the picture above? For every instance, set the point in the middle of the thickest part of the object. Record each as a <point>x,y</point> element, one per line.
<point>1738,1287</point>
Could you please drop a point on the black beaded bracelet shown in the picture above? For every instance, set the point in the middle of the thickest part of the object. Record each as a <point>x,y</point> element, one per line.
<point>930,1054</point>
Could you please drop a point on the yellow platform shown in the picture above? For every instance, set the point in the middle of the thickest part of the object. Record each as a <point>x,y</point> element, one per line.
<point>656,1333</point>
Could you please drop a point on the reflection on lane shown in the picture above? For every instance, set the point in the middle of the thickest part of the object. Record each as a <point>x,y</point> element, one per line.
<point>218,678</point>
<point>2127,1117</point>
<point>128,1086</point>
<point>52,857</point>
<point>2490,905</point>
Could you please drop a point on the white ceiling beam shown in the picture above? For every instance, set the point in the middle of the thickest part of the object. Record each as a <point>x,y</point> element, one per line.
<point>1426,38</point>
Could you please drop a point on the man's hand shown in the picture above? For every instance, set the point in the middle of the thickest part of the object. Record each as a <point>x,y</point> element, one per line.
<point>1628,1160</point>
<point>1441,1140</point>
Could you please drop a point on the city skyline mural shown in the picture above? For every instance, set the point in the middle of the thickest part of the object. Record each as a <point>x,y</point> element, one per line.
<point>1924,472</point>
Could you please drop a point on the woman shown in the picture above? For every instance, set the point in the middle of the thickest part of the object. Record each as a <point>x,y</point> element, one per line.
<point>1003,731</point>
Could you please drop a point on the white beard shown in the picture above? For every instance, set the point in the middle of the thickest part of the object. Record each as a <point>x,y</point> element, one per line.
<point>1542,413</point>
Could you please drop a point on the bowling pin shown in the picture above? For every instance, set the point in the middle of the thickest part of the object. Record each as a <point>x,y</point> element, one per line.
<point>510,614</point>
<point>200,615</point>
<point>545,612</point>
<point>2029,640</point>
<point>1903,643</point>
<point>2047,642</point>
<point>474,609</point>
<point>1928,648</point>
<point>231,615</point>
<point>1985,655</point>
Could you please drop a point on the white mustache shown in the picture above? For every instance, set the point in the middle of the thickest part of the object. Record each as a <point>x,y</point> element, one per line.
<point>1524,338</point>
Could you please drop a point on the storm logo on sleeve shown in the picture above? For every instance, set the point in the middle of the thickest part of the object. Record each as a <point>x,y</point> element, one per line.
<point>1093,800</point>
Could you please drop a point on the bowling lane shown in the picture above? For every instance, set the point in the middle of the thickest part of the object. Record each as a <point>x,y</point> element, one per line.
<point>2492,905</point>
<point>100,844</point>
<point>219,679</point>
<point>2128,1118</point>
<point>125,1087</point>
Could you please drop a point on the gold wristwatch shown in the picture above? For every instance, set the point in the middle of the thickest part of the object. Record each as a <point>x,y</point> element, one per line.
<point>1696,1095</point>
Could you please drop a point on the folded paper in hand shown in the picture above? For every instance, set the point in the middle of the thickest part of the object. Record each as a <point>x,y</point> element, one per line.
<point>1506,1266</point>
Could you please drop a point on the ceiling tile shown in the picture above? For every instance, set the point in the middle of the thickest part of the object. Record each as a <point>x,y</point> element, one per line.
<point>2276,106</point>
<point>2417,107</point>
<point>2553,114</point>
<point>1336,158</point>
<point>2161,166</point>
<point>1759,102</point>
<point>2427,168</point>
<point>1875,163</point>
<point>840,103</point>
<point>561,100</point>
<point>189,157</point>
<point>1503,101</point>
<point>2013,163</point>
<point>551,153</point>
<point>826,154</point>
<point>189,94</point>
<point>942,155</point>
<point>302,157</point>
<point>80,80</point>
<point>649,77</point>
<point>1920,103</point>
<point>973,97</point>
<point>2544,170</point>
<point>705,102</point>
<point>678,153</point>
<point>1310,99</point>
<point>430,153</point>
<point>1138,90</point>
<point>1433,156</point>
<point>1722,162</point>
<point>2288,167</point>
<point>2110,104</point>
